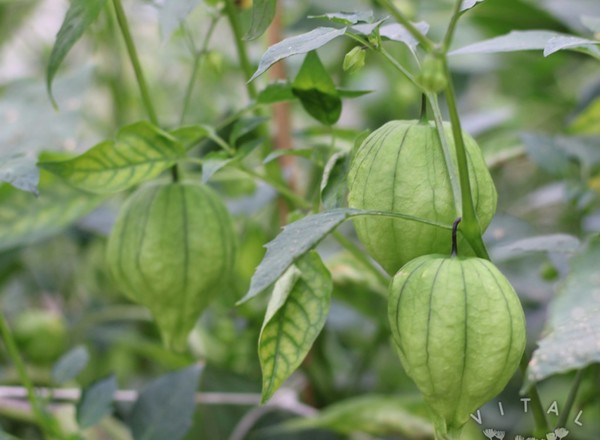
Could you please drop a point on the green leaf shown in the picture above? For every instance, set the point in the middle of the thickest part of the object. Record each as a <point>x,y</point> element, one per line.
<point>243,126</point>
<point>294,241</point>
<point>561,243</point>
<point>190,135</point>
<point>295,316</point>
<point>139,153</point>
<point>333,185</point>
<point>80,15</point>
<point>548,41</point>
<point>306,153</point>
<point>571,340</point>
<point>70,364</point>
<point>586,122</point>
<point>96,402</point>
<point>20,171</point>
<point>374,415</point>
<point>164,409</point>
<point>278,91</point>
<point>25,219</point>
<point>545,151</point>
<point>263,12</point>
<point>316,91</point>
<point>173,13</point>
<point>297,45</point>
<point>299,237</point>
<point>346,18</point>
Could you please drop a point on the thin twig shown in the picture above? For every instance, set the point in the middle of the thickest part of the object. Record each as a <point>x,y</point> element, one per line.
<point>564,414</point>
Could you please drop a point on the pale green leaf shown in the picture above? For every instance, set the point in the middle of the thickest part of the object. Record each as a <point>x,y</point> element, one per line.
<point>25,219</point>
<point>346,18</point>
<point>164,408</point>
<point>468,4</point>
<point>548,41</point>
<point>96,402</point>
<point>374,415</point>
<point>572,340</point>
<point>80,15</point>
<point>70,364</point>
<point>295,316</point>
<point>294,241</point>
<point>20,171</point>
<point>297,45</point>
<point>333,184</point>
<point>263,12</point>
<point>561,243</point>
<point>139,153</point>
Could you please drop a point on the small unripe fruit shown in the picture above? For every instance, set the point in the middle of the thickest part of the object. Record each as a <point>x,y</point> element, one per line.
<point>432,78</point>
<point>172,249</point>
<point>401,168</point>
<point>459,330</point>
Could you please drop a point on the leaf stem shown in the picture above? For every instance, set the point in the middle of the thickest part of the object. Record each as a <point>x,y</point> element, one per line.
<point>452,26</point>
<point>43,420</point>
<point>427,44</point>
<point>232,16</point>
<point>564,415</point>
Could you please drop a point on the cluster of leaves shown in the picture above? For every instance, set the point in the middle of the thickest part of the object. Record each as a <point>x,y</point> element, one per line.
<point>325,316</point>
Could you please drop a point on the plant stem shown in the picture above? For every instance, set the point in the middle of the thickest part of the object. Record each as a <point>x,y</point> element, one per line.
<point>198,55</point>
<point>470,224</point>
<point>452,26</point>
<point>135,61</point>
<point>541,425</point>
<point>279,187</point>
<point>139,73</point>
<point>232,15</point>
<point>564,415</point>
<point>427,44</point>
<point>49,428</point>
<point>361,257</point>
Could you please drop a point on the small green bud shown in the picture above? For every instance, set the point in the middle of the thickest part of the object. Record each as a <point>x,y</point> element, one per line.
<point>432,77</point>
<point>354,60</point>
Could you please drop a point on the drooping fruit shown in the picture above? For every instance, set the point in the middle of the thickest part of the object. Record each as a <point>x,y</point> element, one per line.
<point>401,168</point>
<point>171,249</point>
<point>459,330</point>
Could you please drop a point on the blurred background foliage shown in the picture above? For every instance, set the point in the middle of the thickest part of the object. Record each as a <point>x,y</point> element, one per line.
<point>537,120</point>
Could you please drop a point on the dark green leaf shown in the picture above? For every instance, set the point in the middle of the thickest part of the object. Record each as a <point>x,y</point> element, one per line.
<point>316,91</point>
<point>173,13</point>
<point>374,415</point>
<point>96,402</point>
<point>561,243</point>
<point>276,92</point>
<point>333,185</point>
<point>70,364</point>
<point>139,153</point>
<point>295,46</point>
<point>295,316</point>
<point>80,15</point>
<point>25,219</point>
<point>571,341</point>
<point>294,241</point>
<point>190,135</point>
<point>21,172</point>
<point>547,153</point>
<point>346,18</point>
<point>165,408</point>
<point>346,93</point>
<point>244,126</point>
<point>263,12</point>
